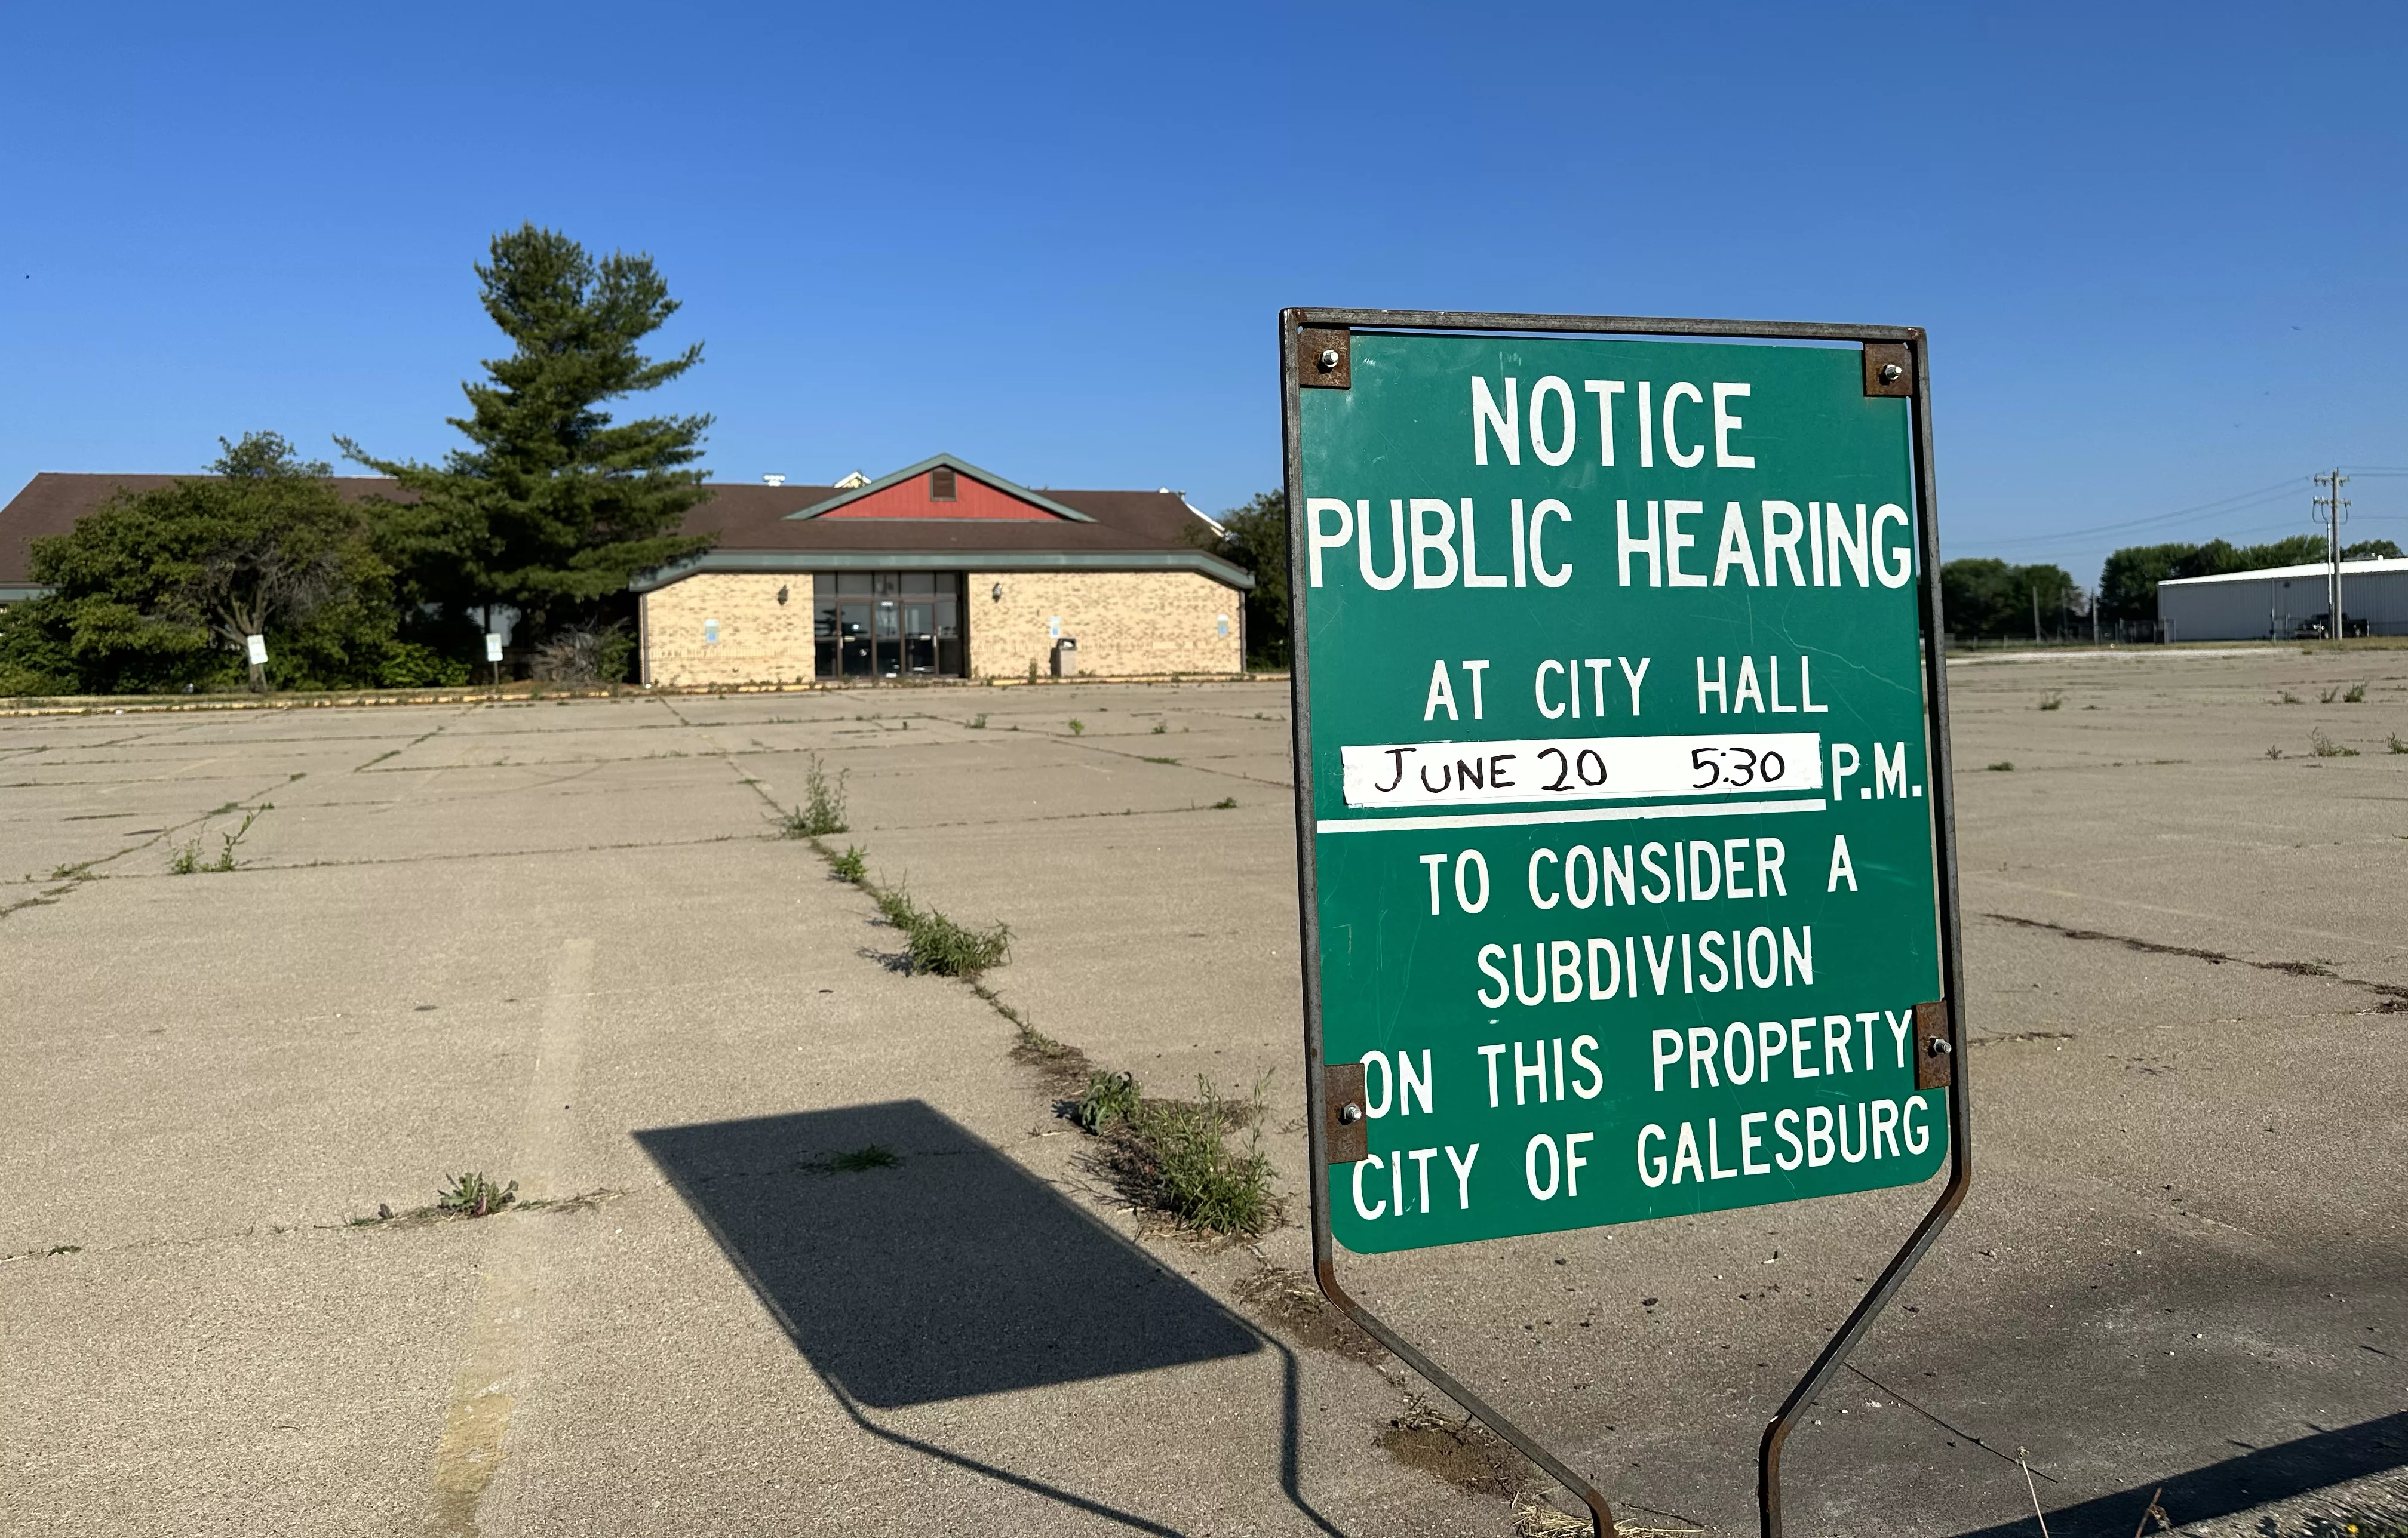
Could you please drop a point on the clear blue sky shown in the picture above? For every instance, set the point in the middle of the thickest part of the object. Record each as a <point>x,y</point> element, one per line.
<point>2158,248</point>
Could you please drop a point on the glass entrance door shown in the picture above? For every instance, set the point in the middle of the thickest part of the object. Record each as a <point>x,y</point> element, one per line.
<point>890,624</point>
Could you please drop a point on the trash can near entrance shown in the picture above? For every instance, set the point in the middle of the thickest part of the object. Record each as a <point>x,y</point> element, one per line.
<point>1066,658</point>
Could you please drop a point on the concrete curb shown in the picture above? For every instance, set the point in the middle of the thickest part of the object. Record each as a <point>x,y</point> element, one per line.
<point>521,693</point>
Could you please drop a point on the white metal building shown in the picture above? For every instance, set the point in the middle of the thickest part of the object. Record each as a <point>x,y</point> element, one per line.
<point>2275,603</point>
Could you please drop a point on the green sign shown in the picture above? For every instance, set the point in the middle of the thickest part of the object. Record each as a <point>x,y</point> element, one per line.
<point>1618,779</point>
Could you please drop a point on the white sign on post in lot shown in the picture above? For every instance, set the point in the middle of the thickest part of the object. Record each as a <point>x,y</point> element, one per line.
<point>255,646</point>
<point>493,648</point>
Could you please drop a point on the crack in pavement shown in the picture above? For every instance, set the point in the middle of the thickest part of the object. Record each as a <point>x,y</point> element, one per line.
<point>1951,1430</point>
<point>2395,996</point>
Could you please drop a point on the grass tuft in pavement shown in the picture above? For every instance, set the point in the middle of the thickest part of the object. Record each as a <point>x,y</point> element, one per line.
<point>475,1195</point>
<point>851,866</point>
<point>875,1156</point>
<point>934,943</point>
<point>1174,1156</point>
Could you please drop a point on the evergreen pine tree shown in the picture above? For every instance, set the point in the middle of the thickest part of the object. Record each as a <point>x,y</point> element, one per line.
<point>554,508</point>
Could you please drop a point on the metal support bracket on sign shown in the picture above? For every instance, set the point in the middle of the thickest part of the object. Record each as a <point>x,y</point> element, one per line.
<point>1348,1134</point>
<point>1324,358</point>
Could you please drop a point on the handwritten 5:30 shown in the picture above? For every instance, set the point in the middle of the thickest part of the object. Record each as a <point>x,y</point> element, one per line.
<point>1735,767</point>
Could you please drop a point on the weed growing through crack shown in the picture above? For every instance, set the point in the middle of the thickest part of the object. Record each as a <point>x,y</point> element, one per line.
<point>934,943</point>
<point>1077,727</point>
<point>1110,1097</point>
<point>2398,745</point>
<point>225,860</point>
<point>1161,761</point>
<point>1160,727</point>
<point>2289,698</point>
<point>1203,1181</point>
<point>475,1195</point>
<point>2325,748</point>
<point>1226,803</point>
<point>2053,699</point>
<point>2330,695</point>
<point>851,866</point>
<point>2354,695</point>
<point>187,860</point>
<point>2002,765</point>
<point>1174,1156</point>
<point>822,808</point>
<point>2275,753</point>
<point>874,1155</point>
<point>978,722</point>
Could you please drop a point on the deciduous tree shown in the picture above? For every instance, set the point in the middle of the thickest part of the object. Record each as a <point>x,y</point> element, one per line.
<point>159,592</point>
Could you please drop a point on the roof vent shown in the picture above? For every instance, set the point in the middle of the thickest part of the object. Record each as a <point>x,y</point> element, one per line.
<point>773,480</point>
<point>853,482</point>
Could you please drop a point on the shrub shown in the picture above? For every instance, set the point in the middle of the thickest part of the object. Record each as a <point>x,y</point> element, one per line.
<point>410,664</point>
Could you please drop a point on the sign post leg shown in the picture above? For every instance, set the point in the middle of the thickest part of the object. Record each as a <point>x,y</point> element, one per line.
<point>1931,1048</point>
<point>1777,1432</point>
<point>1326,1270</point>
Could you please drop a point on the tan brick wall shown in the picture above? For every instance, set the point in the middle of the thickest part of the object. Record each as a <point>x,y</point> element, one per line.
<point>1126,622</point>
<point>760,639</point>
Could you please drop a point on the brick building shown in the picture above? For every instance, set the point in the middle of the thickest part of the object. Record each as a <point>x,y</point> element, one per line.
<point>941,570</point>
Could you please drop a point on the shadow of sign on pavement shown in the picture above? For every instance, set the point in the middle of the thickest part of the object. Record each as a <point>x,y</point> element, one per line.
<point>949,1274</point>
<point>2256,1478</point>
<point>910,1263</point>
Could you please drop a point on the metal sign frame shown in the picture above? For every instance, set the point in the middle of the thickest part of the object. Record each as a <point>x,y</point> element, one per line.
<point>1897,364</point>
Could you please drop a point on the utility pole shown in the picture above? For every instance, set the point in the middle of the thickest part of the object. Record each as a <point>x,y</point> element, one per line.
<point>2335,506</point>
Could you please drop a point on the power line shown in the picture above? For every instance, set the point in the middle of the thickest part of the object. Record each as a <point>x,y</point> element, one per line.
<point>2238,501</point>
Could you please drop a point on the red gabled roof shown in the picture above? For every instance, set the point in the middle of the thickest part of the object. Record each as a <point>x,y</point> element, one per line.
<point>917,498</point>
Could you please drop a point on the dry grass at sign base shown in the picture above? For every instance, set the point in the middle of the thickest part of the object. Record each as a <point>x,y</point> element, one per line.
<point>1292,1303</point>
<point>1464,1453</point>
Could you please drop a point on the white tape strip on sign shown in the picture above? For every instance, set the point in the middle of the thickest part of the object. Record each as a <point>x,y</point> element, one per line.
<point>1542,770</point>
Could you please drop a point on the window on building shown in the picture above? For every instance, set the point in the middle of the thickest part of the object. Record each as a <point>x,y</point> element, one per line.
<point>940,485</point>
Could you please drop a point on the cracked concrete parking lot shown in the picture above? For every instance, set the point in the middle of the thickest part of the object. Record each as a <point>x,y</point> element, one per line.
<point>564,943</point>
